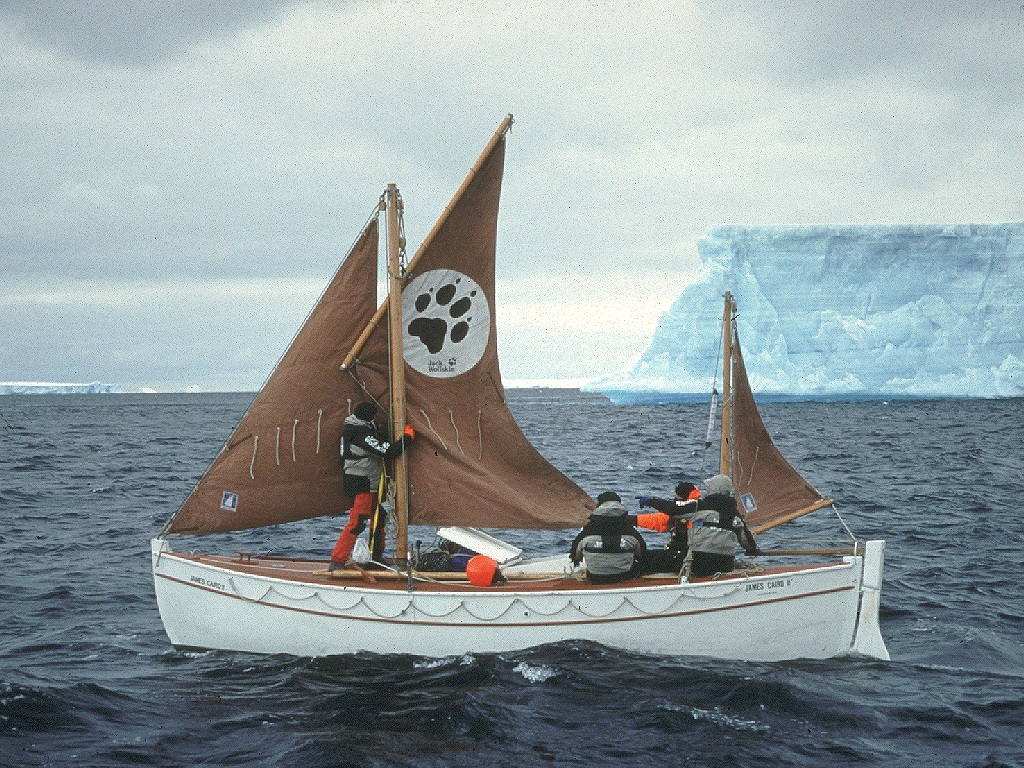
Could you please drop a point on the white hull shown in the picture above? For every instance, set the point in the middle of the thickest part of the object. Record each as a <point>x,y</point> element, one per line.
<point>813,613</point>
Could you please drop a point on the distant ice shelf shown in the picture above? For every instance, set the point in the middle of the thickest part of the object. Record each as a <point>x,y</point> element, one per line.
<point>837,313</point>
<point>54,388</point>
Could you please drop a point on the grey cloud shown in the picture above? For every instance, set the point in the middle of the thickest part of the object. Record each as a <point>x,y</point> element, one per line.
<point>259,158</point>
<point>122,32</point>
<point>946,44</point>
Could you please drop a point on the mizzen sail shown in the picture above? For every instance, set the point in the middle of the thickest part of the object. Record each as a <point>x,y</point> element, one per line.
<point>769,489</point>
<point>282,462</point>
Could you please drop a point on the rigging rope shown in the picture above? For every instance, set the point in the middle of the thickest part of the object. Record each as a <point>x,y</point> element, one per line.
<point>714,406</point>
<point>843,522</point>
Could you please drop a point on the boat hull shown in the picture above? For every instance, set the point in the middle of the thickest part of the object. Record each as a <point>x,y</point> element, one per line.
<point>813,613</point>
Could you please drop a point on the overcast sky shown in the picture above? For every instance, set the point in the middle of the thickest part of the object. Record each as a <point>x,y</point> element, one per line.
<point>180,179</point>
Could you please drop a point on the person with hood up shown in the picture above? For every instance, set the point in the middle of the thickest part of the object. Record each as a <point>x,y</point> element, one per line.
<point>715,528</point>
<point>609,545</point>
<point>363,454</point>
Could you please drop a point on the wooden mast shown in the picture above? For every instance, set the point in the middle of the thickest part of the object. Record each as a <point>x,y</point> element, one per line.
<point>725,463</point>
<point>393,205</point>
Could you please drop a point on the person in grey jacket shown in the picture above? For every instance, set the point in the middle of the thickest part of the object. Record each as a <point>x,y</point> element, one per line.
<point>715,528</point>
<point>608,545</point>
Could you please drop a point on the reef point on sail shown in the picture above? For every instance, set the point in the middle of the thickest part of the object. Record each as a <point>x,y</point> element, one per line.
<point>851,312</point>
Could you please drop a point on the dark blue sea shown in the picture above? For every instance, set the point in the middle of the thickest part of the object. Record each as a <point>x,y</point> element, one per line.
<point>88,678</point>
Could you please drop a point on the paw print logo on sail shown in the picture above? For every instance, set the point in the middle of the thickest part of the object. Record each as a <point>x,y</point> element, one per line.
<point>447,323</point>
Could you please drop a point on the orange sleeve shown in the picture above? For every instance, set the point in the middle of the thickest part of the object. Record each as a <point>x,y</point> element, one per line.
<point>654,521</point>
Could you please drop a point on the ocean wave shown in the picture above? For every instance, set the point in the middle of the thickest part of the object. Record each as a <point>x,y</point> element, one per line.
<point>25,710</point>
<point>91,678</point>
<point>36,710</point>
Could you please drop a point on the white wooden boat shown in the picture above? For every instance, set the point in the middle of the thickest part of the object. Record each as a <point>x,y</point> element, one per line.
<point>471,466</point>
<point>284,606</point>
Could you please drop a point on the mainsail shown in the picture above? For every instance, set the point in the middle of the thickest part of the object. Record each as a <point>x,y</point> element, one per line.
<point>470,463</point>
<point>769,490</point>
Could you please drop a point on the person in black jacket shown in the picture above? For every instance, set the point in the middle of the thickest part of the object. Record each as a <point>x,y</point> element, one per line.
<point>669,517</point>
<point>363,454</point>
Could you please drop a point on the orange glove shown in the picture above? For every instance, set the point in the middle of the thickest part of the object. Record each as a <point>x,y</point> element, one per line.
<point>654,521</point>
<point>409,431</point>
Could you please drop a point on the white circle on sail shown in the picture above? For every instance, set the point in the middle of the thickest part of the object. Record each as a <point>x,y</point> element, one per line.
<point>446,321</point>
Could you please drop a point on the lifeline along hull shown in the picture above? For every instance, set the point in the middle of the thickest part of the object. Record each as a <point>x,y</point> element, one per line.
<point>789,613</point>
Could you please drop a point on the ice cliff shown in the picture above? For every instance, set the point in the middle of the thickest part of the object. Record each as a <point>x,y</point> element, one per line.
<point>847,312</point>
<point>52,388</point>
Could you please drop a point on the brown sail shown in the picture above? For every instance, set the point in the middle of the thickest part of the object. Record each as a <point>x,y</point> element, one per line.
<point>768,488</point>
<point>282,462</point>
<point>470,463</point>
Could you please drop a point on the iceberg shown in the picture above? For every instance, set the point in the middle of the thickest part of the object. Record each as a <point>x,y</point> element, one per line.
<point>53,388</point>
<point>852,312</point>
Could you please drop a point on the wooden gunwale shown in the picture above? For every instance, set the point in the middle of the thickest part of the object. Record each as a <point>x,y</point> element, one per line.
<point>315,572</point>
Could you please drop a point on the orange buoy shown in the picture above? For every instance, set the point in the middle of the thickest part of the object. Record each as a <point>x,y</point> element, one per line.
<point>482,570</point>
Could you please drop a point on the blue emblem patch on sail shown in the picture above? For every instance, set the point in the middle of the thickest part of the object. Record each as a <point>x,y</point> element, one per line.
<point>229,501</point>
<point>749,505</point>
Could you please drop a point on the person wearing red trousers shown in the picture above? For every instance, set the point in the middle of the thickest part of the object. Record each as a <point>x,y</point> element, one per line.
<point>362,454</point>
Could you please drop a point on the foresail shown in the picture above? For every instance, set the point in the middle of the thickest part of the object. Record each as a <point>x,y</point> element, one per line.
<point>470,464</point>
<point>770,490</point>
<point>282,462</point>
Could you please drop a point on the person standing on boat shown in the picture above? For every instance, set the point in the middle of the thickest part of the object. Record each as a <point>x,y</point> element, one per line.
<point>609,545</point>
<point>715,528</point>
<point>668,517</point>
<point>363,454</point>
